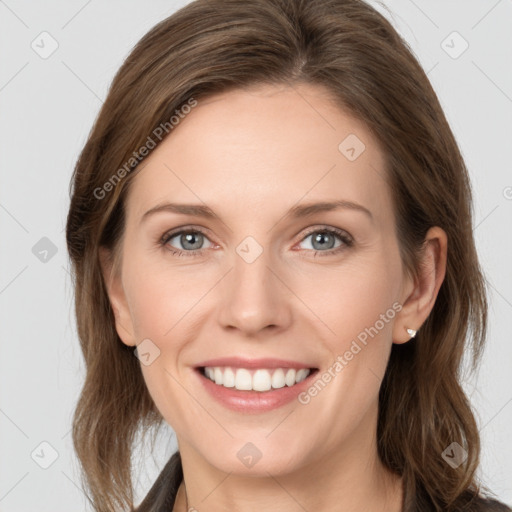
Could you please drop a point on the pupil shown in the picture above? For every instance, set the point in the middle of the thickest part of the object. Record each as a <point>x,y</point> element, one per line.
<point>322,236</point>
<point>190,236</point>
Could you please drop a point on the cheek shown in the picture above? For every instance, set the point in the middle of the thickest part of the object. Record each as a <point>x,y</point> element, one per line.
<point>160,298</point>
<point>352,299</point>
<point>358,308</point>
<point>358,305</point>
<point>162,303</point>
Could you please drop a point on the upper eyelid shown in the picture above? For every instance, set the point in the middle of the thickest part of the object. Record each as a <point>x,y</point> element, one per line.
<point>187,229</point>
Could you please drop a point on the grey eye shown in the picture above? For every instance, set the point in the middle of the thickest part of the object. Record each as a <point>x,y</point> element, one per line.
<point>323,239</point>
<point>189,240</point>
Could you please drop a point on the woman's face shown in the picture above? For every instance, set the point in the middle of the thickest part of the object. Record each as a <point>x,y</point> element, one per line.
<point>262,287</point>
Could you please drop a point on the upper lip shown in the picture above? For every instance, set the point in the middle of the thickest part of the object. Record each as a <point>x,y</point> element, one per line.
<point>240,362</point>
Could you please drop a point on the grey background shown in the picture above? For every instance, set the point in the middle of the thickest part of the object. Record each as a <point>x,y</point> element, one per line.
<point>47,107</point>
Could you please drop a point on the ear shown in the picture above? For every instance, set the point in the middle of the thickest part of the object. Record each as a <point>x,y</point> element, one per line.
<point>117,297</point>
<point>419,296</point>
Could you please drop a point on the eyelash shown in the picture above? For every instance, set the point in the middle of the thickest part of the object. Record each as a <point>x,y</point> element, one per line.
<point>347,241</point>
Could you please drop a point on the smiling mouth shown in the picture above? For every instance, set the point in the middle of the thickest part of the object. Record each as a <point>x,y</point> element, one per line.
<point>255,379</point>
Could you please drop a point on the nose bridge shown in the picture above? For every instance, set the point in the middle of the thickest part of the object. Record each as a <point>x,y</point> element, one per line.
<point>254,296</point>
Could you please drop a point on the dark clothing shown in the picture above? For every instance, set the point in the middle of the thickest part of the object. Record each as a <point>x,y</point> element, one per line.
<point>162,495</point>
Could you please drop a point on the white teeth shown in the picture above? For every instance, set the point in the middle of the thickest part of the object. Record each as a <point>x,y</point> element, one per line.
<point>229,378</point>
<point>278,379</point>
<point>243,380</point>
<point>290,377</point>
<point>255,380</point>
<point>261,380</point>
<point>301,374</point>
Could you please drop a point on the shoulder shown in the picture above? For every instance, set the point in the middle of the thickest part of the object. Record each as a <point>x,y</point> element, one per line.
<point>491,505</point>
<point>483,504</point>
<point>469,501</point>
<point>162,494</point>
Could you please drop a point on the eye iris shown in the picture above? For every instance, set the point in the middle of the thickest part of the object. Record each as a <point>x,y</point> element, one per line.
<point>189,237</point>
<point>321,240</point>
<point>321,237</point>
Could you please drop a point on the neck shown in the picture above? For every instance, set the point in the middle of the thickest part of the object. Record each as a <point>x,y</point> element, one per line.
<point>349,479</point>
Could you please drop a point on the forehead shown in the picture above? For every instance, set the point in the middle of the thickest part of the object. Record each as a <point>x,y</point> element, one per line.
<point>265,147</point>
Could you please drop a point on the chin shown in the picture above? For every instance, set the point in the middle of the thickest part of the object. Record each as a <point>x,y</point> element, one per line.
<point>255,459</point>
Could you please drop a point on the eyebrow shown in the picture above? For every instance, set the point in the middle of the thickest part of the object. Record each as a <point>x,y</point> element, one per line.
<point>300,211</point>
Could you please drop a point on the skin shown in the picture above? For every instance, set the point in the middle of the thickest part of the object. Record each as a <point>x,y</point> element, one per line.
<point>250,156</point>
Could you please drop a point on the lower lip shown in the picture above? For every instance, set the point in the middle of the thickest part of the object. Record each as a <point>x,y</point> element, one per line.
<point>254,401</point>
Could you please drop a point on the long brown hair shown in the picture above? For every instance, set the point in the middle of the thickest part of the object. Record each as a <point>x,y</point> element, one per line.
<point>346,46</point>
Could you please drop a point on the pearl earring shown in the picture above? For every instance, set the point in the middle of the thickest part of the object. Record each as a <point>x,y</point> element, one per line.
<point>411,332</point>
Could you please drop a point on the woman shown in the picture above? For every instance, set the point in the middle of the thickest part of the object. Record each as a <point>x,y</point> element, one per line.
<point>305,348</point>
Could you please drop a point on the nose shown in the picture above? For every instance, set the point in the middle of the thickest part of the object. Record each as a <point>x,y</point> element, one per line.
<point>254,297</point>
